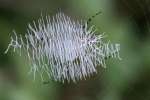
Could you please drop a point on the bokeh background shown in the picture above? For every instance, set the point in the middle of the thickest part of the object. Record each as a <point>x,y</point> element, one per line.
<point>124,21</point>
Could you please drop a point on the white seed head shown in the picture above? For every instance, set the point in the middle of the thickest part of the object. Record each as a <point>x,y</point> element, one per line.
<point>64,49</point>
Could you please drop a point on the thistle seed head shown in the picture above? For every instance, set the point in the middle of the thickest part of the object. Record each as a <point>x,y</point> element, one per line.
<point>63,49</point>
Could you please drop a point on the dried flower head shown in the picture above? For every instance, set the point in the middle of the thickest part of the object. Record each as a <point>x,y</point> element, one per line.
<point>63,48</point>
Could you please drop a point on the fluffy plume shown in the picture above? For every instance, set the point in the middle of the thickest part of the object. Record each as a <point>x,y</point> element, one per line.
<point>63,48</point>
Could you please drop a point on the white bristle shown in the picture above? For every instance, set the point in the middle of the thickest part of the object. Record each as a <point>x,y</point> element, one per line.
<point>63,49</point>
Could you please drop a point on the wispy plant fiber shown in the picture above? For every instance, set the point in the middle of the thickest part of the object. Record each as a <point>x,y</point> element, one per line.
<point>62,48</point>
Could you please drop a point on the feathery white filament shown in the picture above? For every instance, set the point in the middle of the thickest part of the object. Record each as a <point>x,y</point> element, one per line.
<point>63,49</point>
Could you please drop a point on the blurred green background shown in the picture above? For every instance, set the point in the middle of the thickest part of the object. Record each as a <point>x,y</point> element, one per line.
<point>124,21</point>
